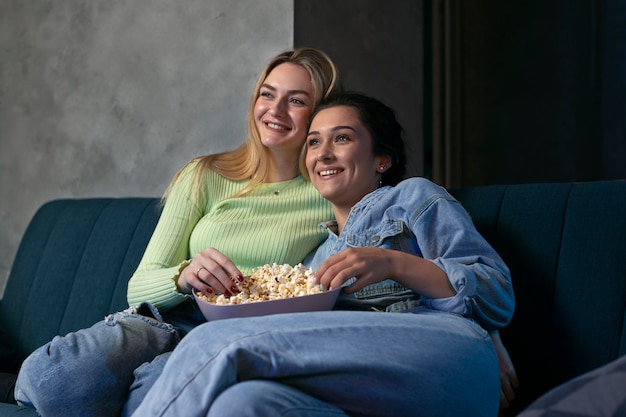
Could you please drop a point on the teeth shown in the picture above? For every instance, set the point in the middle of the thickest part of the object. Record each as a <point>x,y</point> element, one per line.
<point>275,126</point>
<point>329,172</point>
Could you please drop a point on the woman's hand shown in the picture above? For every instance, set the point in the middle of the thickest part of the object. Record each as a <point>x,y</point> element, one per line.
<point>210,271</point>
<point>368,264</point>
<point>508,376</point>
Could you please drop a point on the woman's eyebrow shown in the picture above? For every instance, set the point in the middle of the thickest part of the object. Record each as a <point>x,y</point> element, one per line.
<point>334,129</point>
<point>269,87</point>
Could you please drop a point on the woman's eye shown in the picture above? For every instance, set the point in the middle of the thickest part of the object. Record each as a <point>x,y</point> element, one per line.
<point>297,101</point>
<point>265,94</point>
<point>341,138</point>
<point>313,142</point>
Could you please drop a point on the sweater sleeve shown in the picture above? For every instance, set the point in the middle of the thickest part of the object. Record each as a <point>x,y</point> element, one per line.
<point>167,253</point>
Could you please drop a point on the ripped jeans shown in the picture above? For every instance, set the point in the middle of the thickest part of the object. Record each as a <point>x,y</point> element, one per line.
<point>91,372</point>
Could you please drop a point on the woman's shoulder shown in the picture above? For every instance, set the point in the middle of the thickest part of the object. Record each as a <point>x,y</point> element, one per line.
<point>417,193</point>
<point>197,177</point>
<point>420,186</point>
<point>201,166</point>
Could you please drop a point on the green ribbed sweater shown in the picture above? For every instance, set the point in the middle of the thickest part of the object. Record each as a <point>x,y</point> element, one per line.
<point>276,222</point>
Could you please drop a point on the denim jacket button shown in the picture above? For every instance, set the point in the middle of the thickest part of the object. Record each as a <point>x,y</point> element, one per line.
<point>375,239</point>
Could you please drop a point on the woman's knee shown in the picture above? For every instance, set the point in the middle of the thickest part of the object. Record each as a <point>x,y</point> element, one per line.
<point>94,366</point>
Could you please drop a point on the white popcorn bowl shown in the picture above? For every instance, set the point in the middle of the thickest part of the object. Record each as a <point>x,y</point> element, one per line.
<point>322,301</point>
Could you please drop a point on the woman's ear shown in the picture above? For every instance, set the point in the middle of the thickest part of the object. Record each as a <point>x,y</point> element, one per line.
<point>383,163</point>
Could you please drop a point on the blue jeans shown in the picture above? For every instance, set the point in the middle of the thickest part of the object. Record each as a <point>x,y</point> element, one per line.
<point>424,363</point>
<point>89,373</point>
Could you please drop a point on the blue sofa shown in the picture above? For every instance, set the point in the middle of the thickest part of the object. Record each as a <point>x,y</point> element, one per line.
<point>564,242</point>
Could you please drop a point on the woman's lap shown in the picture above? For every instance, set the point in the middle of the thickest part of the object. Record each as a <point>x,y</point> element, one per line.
<point>363,363</point>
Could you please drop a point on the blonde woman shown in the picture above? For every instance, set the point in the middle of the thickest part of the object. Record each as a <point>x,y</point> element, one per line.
<point>223,215</point>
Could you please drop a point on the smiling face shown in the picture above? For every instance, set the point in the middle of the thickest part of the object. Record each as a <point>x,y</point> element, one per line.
<point>283,107</point>
<point>340,159</point>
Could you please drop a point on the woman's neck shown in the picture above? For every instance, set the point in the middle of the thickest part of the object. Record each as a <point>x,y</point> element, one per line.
<point>341,216</point>
<point>343,207</point>
<point>282,168</point>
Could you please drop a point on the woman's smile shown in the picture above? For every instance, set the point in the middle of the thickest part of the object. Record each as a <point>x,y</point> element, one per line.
<point>329,172</point>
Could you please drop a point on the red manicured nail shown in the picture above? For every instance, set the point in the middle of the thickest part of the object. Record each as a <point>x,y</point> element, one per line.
<point>239,278</point>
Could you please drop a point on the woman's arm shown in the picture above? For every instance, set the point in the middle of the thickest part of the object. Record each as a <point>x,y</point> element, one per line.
<point>447,237</point>
<point>167,253</point>
<point>465,276</point>
<point>454,269</point>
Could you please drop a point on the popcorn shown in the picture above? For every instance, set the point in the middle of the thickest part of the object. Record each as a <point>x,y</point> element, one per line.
<point>270,282</point>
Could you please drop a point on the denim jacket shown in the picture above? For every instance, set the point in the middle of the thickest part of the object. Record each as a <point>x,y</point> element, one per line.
<point>422,218</point>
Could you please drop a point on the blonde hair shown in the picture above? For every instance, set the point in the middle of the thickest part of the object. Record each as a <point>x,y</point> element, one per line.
<point>250,160</point>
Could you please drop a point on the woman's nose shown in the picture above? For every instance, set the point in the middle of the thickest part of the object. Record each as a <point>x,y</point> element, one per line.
<point>324,153</point>
<point>278,108</point>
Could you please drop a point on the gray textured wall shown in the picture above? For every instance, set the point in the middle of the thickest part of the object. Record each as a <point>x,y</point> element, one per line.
<point>110,97</point>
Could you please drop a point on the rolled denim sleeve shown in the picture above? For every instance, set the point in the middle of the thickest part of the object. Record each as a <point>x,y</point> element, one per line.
<point>481,279</point>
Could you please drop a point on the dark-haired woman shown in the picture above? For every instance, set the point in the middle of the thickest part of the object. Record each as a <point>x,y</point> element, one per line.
<point>421,292</point>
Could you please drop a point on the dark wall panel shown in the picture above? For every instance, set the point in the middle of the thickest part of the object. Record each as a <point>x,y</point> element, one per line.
<point>378,46</point>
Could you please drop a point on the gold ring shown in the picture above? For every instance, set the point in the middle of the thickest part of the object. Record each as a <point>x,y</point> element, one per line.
<point>199,269</point>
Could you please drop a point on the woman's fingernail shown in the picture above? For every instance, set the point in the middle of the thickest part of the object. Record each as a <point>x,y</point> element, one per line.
<point>234,289</point>
<point>209,291</point>
<point>239,278</point>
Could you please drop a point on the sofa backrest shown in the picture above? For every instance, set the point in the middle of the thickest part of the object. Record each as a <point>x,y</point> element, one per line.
<point>566,247</point>
<point>73,252</point>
